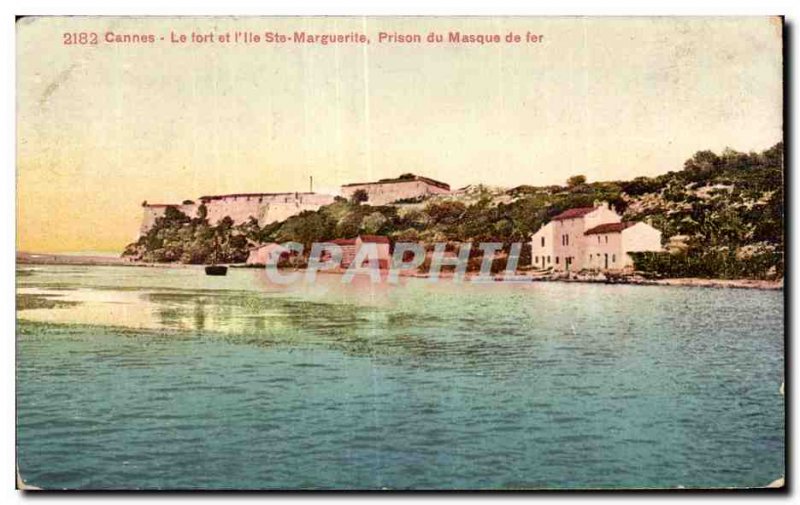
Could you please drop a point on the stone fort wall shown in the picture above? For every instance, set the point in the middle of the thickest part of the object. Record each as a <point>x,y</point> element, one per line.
<point>271,207</point>
<point>382,193</point>
<point>265,207</point>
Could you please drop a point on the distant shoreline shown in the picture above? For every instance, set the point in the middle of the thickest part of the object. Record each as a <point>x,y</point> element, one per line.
<point>77,260</point>
<point>25,258</point>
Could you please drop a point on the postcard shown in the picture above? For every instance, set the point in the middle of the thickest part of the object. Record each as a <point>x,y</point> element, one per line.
<point>400,253</point>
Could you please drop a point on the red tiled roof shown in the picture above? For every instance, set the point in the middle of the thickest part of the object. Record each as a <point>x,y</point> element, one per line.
<point>378,239</point>
<point>609,228</point>
<point>573,213</point>
<point>344,241</point>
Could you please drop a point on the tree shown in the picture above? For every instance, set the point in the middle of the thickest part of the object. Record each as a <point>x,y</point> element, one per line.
<point>349,225</point>
<point>448,212</point>
<point>705,164</point>
<point>576,180</point>
<point>307,227</point>
<point>359,196</point>
<point>703,161</point>
<point>173,215</point>
<point>372,223</point>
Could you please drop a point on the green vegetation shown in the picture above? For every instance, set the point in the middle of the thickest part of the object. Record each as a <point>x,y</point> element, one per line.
<point>175,237</point>
<point>721,216</point>
<point>755,263</point>
<point>723,213</point>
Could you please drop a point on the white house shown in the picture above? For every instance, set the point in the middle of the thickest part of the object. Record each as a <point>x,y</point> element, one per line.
<point>591,238</point>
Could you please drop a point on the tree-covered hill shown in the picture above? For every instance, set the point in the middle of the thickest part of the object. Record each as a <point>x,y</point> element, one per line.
<point>721,215</point>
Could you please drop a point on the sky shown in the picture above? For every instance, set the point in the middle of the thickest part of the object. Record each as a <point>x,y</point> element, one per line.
<point>101,128</point>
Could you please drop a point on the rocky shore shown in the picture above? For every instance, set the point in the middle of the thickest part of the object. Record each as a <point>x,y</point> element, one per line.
<point>600,278</point>
<point>641,280</point>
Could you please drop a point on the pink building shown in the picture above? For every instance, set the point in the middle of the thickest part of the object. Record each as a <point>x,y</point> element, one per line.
<point>260,255</point>
<point>591,238</point>
<point>350,248</point>
<point>383,246</point>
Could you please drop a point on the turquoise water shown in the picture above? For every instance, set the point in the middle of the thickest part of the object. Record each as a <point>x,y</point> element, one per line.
<point>165,378</point>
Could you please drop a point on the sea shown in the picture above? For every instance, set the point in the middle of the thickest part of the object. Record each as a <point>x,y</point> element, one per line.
<point>165,378</point>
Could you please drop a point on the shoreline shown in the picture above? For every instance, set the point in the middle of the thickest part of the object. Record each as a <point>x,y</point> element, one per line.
<point>522,277</point>
<point>721,283</point>
<point>695,282</point>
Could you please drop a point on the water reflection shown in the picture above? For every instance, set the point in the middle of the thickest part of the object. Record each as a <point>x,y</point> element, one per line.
<point>483,325</point>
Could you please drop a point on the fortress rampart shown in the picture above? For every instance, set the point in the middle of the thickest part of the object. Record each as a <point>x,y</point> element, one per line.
<point>391,190</point>
<point>268,208</point>
<point>264,207</point>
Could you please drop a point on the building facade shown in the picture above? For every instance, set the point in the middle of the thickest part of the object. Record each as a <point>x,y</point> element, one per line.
<point>592,238</point>
<point>382,245</point>
<point>351,246</point>
<point>405,187</point>
<point>260,255</point>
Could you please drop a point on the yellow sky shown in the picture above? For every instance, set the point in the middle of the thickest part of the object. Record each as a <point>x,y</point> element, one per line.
<point>102,128</point>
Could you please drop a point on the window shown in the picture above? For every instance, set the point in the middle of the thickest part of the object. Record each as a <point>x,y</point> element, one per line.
<point>542,241</point>
<point>566,237</point>
<point>613,258</point>
<point>548,260</point>
<point>536,260</point>
<point>606,239</point>
<point>598,239</point>
<point>556,260</point>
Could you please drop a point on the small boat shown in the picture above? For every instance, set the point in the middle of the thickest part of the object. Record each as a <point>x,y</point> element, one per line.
<point>216,270</point>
